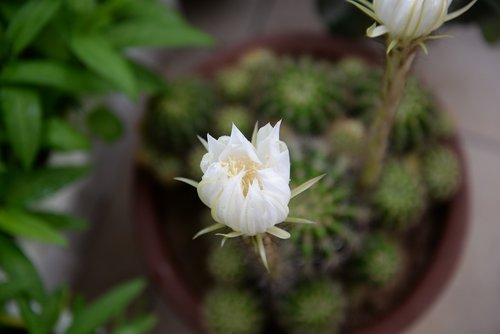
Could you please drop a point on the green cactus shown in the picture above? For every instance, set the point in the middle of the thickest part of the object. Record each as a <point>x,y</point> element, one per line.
<point>399,197</point>
<point>441,172</point>
<point>173,119</point>
<point>380,260</point>
<point>314,307</point>
<point>235,83</point>
<point>232,311</point>
<point>227,264</point>
<point>361,82</point>
<point>302,93</point>
<point>415,121</point>
<point>236,114</point>
<point>258,60</point>
<point>347,137</point>
<point>327,203</point>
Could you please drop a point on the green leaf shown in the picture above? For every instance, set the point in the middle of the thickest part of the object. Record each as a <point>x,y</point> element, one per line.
<point>22,114</point>
<point>99,55</point>
<point>59,221</point>
<point>106,307</point>
<point>52,310</point>
<point>152,11</point>
<point>23,188</point>
<point>55,75</point>
<point>59,135</point>
<point>147,80</point>
<point>19,269</point>
<point>31,320</point>
<point>22,224</point>
<point>28,21</point>
<point>11,289</point>
<point>156,34</point>
<point>103,123</point>
<point>139,325</point>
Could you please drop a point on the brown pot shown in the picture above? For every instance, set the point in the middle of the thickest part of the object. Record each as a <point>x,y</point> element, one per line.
<point>173,263</point>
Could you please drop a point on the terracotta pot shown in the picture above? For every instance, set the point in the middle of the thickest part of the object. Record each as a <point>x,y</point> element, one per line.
<point>173,263</point>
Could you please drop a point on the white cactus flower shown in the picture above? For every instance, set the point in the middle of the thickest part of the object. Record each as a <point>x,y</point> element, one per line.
<point>246,185</point>
<point>407,20</point>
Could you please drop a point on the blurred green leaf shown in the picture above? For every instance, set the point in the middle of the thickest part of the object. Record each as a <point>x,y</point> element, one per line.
<point>151,11</point>
<point>61,222</point>
<point>22,114</point>
<point>106,307</point>
<point>11,289</point>
<point>105,124</point>
<point>30,319</point>
<point>147,80</point>
<point>139,325</point>
<point>21,224</point>
<point>491,29</point>
<point>53,74</point>
<point>28,21</point>
<point>155,34</point>
<point>52,310</point>
<point>59,135</point>
<point>19,269</point>
<point>23,188</point>
<point>97,53</point>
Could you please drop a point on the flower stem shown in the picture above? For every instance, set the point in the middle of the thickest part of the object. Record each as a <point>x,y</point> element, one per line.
<point>398,63</point>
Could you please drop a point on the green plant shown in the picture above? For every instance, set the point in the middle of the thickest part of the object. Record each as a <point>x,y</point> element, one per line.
<point>441,172</point>
<point>231,311</point>
<point>316,306</point>
<point>227,266</point>
<point>53,55</point>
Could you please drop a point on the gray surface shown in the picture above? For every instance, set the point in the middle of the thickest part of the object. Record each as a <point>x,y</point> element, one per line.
<point>465,74</point>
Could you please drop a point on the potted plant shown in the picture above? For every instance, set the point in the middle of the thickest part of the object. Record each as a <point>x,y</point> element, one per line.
<point>371,243</point>
<point>58,60</point>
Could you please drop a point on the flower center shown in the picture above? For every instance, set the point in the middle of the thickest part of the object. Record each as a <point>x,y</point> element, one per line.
<point>246,165</point>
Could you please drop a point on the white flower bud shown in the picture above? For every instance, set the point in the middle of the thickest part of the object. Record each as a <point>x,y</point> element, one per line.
<point>411,19</point>
<point>247,186</point>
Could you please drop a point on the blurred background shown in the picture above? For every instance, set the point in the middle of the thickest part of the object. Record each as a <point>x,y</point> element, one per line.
<point>464,73</point>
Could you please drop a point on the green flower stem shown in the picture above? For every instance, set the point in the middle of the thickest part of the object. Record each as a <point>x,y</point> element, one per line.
<point>398,63</point>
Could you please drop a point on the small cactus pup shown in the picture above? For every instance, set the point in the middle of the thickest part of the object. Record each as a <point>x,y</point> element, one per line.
<point>234,83</point>
<point>227,265</point>
<point>238,115</point>
<point>362,84</point>
<point>258,61</point>
<point>315,307</point>
<point>174,118</point>
<point>302,92</point>
<point>399,198</point>
<point>441,172</point>
<point>380,261</point>
<point>415,121</point>
<point>232,311</point>
<point>346,138</point>
<point>329,205</point>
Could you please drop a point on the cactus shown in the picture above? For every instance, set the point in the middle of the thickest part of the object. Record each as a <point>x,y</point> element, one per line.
<point>236,114</point>
<point>399,197</point>
<point>232,311</point>
<point>380,261</point>
<point>258,60</point>
<point>346,137</point>
<point>173,119</point>
<point>441,172</point>
<point>302,93</point>
<point>415,120</point>
<point>234,83</point>
<point>314,307</point>
<point>227,264</point>
<point>327,203</point>
<point>362,84</point>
